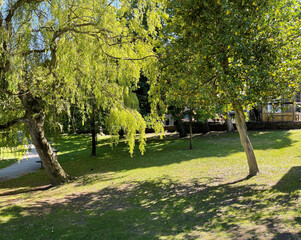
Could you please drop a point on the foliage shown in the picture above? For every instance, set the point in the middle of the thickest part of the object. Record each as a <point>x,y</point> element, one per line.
<point>59,52</point>
<point>10,155</point>
<point>239,53</point>
<point>242,50</point>
<point>130,123</point>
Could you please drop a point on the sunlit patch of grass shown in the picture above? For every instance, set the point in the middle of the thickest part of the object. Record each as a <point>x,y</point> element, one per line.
<point>169,193</point>
<point>10,155</point>
<point>7,162</point>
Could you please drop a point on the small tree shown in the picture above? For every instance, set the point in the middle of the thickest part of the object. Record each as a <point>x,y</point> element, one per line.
<point>245,49</point>
<point>184,90</point>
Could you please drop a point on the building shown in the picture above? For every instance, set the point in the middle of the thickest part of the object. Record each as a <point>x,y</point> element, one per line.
<point>283,110</point>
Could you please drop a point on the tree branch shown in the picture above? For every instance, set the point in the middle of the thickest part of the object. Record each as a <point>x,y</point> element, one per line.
<point>209,80</point>
<point>61,31</point>
<point>128,59</point>
<point>14,8</point>
<point>21,93</point>
<point>34,51</point>
<point>12,123</point>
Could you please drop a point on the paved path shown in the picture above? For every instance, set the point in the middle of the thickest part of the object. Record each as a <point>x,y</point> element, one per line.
<point>27,164</point>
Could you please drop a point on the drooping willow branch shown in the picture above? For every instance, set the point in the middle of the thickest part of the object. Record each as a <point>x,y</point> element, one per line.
<point>12,123</point>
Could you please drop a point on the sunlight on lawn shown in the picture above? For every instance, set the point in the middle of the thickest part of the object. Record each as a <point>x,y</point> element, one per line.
<point>170,193</point>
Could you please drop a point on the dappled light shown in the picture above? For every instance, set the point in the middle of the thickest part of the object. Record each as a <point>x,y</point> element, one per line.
<point>125,120</point>
<point>169,193</point>
<point>159,209</point>
<point>75,150</point>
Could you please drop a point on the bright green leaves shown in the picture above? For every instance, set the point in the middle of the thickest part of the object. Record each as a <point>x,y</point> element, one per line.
<point>230,52</point>
<point>131,122</point>
<point>243,45</point>
<point>67,52</point>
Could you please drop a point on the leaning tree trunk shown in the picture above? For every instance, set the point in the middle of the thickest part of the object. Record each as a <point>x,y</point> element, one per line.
<point>54,170</point>
<point>245,141</point>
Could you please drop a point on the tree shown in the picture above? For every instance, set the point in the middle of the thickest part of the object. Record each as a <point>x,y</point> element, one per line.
<point>182,78</point>
<point>246,49</point>
<point>87,121</point>
<point>53,51</point>
<point>187,95</point>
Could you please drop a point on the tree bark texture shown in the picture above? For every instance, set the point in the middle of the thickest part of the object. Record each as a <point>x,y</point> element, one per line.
<point>34,120</point>
<point>245,141</point>
<point>52,167</point>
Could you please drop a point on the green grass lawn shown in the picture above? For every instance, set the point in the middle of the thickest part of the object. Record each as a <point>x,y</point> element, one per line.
<point>169,193</point>
<point>6,162</point>
<point>9,156</point>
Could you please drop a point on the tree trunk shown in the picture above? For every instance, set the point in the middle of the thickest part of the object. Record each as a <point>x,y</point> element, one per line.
<point>206,128</point>
<point>230,126</point>
<point>180,128</point>
<point>245,141</point>
<point>54,170</point>
<point>93,131</point>
<point>190,130</point>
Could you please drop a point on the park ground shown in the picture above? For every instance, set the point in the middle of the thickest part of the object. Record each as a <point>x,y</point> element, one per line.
<point>169,193</point>
<point>10,155</point>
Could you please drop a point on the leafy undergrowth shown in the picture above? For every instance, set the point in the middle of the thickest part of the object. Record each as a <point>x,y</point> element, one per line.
<point>169,193</point>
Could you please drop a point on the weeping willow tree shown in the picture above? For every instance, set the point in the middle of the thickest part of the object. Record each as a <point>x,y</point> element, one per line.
<point>57,52</point>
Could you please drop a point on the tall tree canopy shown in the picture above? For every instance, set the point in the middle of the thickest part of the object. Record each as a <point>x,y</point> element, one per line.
<point>243,51</point>
<point>59,51</point>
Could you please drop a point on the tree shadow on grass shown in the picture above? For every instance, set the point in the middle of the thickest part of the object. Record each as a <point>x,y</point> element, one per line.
<point>169,151</point>
<point>157,209</point>
<point>291,181</point>
<point>28,190</point>
<point>75,153</point>
<point>160,152</point>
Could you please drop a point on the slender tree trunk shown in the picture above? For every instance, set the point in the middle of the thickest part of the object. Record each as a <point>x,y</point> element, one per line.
<point>206,128</point>
<point>245,141</point>
<point>190,129</point>
<point>54,170</point>
<point>180,128</point>
<point>230,126</point>
<point>93,131</point>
